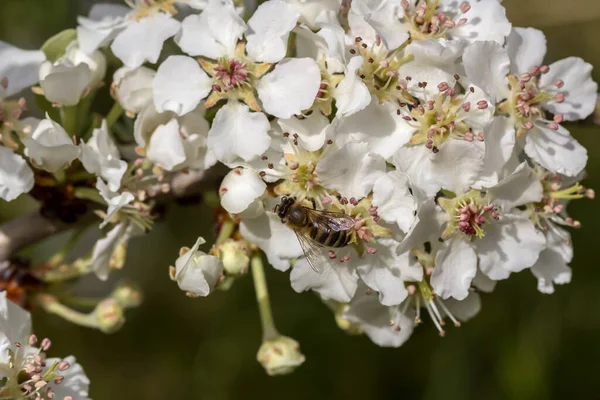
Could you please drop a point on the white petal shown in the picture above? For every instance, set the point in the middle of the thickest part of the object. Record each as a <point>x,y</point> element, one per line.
<point>526,48</point>
<point>65,84</point>
<point>16,177</point>
<point>290,88</point>
<point>133,88</point>
<point>15,326</point>
<point>351,95</point>
<point>382,16</point>
<point>104,23</point>
<point>335,280</point>
<point>375,319</point>
<point>279,242</point>
<point>486,20</point>
<point>270,27</point>
<point>455,167</point>
<point>197,272</point>
<point>115,200</point>
<point>105,249</point>
<point>455,268</point>
<point>509,245</point>
<point>579,88</point>
<point>19,67</point>
<point>179,85</point>
<point>500,140</point>
<point>386,272</point>
<point>552,265</point>
<point>219,28</point>
<point>394,201</point>
<point>50,147</point>
<point>75,382</point>
<point>519,188</point>
<point>486,65</point>
<point>311,130</point>
<point>166,146</point>
<point>379,125</point>
<point>310,9</point>
<point>239,189</point>
<point>426,228</point>
<point>143,40</point>
<point>466,309</point>
<point>483,283</point>
<point>351,170</point>
<point>556,150</point>
<point>238,133</point>
<point>334,37</point>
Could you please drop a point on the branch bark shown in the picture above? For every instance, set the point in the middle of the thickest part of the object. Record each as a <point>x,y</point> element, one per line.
<point>32,228</point>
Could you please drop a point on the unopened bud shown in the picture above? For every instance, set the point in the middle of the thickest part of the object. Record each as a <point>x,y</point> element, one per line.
<point>109,314</point>
<point>234,256</point>
<point>127,294</point>
<point>280,356</point>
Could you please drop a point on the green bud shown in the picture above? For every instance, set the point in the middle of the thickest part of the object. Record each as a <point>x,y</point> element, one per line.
<point>127,294</point>
<point>234,256</point>
<point>280,356</point>
<point>109,315</point>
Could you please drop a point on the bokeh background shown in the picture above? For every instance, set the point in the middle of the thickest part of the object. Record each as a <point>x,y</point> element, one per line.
<point>523,345</point>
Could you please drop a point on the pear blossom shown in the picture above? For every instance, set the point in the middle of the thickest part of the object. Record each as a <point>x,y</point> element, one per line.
<point>136,34</point>
<point>20,357</point>
<point>49,146</point>
<point>100,156</point>
<point>115,201</point>
<point>288,89</point>
<point>196,272</point>
<point>132,88</point>
<point>537,97</point>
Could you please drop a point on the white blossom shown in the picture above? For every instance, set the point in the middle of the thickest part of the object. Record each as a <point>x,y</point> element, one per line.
<point>196,272</point>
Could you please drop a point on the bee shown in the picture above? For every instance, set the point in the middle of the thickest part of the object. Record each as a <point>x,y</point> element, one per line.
<point>316,229</point>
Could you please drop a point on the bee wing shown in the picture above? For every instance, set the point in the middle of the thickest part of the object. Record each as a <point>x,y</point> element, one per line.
<point>313,251</point>
<point>335,221</point>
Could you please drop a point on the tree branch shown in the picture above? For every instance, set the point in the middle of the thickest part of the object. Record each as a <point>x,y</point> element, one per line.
<point>32,228</point>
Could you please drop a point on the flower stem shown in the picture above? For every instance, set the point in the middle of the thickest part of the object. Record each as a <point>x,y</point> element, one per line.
<point>262,297</point>
<point>73,240</point>
<point>114,114</point>
<point>50,304</point>
<point>68,117</point>
<point>225,232</point>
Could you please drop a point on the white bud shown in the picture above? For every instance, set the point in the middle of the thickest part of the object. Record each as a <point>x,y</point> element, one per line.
<point>280,356</point>
<point>234,256</point>
<point>110,316</point>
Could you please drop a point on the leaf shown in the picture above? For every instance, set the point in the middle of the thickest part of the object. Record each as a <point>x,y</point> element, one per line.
<point>55,47</point>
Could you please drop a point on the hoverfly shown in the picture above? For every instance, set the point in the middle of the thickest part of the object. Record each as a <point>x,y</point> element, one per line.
<point>316,229</point>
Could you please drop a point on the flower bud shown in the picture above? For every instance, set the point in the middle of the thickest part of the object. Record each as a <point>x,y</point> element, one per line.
<point>132,88</point>
<point>234,256</point>
<point>196,272</point>
<point>109,314</point>
<point>280,356</point>
<point>127,294</point>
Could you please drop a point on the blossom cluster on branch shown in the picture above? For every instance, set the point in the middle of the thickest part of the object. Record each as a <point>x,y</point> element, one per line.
<point>433,126</point>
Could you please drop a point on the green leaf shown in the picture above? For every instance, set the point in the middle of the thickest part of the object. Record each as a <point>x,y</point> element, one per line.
<point>55,47</point>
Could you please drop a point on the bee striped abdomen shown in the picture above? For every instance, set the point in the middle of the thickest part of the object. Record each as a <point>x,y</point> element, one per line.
<point>329,237</point>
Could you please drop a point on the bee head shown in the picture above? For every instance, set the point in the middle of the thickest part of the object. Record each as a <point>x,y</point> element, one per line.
<point>282,208</point>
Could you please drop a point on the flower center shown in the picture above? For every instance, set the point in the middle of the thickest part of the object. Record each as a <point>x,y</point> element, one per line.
<point>230,74</point>
<point>468,213</point>
<point>424,21</point>
<point>380,70</point>
<point>300,178</point>
<point>443,118</point>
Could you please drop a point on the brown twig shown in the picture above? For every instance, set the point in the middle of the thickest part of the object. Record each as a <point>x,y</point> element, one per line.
<point>32,228</point>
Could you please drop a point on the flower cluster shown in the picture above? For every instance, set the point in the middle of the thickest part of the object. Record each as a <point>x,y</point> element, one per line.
<point>421,143</point>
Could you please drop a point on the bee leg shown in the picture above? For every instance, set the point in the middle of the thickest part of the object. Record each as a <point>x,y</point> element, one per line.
<point>314,203</point>
<point>276,208</point>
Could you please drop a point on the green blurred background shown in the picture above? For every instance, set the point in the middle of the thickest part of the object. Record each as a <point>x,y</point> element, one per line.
<point>523,345</point>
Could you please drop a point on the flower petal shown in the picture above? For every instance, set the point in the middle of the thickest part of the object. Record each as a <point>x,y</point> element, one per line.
<point>270,27</point>
<point>509,245</point>
<point>65,84</point>
<point>18,68</point>
<point>556,150</point>
<point>220,28</point>
<point>197,272</point>
<point>392,197</point>
<point>499,156</point>
<point>579,88</point>
<point>16,177</point>
<point>105,248</point>
<point>351,170</point>
<point>239,189</point>
<point>311,9</point>
<point>526,48</point>
<point>15,326</point>
<point>238,133</point>
<point>486,20</point>
<point>279,242</point>
<point>179,85</point>
<point>519,188</point>
<point>311,130</point>
<point>455,268</point>
<point>351,94</point>
<point>133,88</point>
<point>382,17</point>
<point>486,66</point>
<point>166,146</point>
<point>50,147</point>
<point>552,265</point>
<point>290,88</point>
<point>378,125</point>
<point>143,40</point>
<point>105,21</point>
